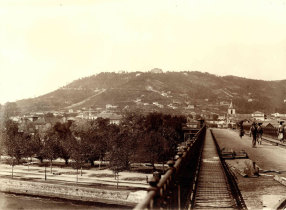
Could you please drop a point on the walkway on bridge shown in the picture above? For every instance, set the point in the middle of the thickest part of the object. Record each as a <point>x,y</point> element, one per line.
<point>263,191</point>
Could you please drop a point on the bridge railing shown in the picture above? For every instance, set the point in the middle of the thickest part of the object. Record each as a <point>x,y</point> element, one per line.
<point>173,190</point>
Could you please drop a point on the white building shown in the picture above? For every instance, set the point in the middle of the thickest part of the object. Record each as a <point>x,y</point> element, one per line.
<point>278,115</point>
<point>258,116</point>
<point>156,71</point>
<point>190,106</point>
<point>158,105</point>
<point>109,106</point>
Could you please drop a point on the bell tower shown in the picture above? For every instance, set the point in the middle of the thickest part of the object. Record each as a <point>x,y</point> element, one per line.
<point>231,109</point>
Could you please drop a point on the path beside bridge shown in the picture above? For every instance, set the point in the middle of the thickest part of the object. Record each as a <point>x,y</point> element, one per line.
<point>263,191</point>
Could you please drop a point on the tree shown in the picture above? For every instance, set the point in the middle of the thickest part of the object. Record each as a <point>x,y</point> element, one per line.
<point>154,147</point>
<point>173,134</point>
<point>162,133</point>
<point>102,136</point>
<point>10,109</point>
<point>78,154</point>
<point>35,146</point>
<point>66,139</point>
<point>132,126</point>
<point>121,151</point>
<point>13,141</point>
<point>51,146</point>
<point>94,138</point>
<point>82,132</point>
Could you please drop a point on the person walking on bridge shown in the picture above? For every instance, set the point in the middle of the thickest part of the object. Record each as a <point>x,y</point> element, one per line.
<point>241,130</point>
<point>281,132</point>
<point>253,133</point>
<point>259,133</point>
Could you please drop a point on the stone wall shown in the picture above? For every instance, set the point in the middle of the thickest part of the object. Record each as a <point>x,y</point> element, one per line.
<point>65,191</point>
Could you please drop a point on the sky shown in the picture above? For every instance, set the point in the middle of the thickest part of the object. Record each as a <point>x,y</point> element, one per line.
<point>47,44</point>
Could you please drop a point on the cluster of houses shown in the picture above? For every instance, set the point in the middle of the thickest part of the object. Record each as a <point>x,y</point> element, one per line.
<point>42,121</point>
<point>231,118</point>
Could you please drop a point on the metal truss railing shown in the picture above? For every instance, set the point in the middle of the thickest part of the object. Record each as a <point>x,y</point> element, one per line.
<point>173,190</point>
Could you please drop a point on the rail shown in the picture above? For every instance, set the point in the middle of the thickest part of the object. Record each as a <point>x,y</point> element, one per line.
<point>240,204</point>
<point>173,189</point>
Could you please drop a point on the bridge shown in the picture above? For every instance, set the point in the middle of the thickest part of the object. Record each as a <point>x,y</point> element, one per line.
<point>215,168</point>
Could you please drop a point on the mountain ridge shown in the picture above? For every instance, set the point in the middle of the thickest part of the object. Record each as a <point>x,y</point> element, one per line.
<point>169,89</point>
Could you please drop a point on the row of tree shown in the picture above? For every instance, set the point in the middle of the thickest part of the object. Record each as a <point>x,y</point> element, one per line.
<point>138,138</point>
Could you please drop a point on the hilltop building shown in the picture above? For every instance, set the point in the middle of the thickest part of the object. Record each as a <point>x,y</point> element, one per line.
<point>156,71</point>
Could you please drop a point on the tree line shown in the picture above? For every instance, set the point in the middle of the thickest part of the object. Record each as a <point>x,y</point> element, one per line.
<point>148,138</point>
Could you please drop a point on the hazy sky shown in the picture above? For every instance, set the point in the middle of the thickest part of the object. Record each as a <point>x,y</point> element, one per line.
<point>45,44</point>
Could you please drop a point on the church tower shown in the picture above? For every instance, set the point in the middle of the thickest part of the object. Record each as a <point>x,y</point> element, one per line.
<point>230,115</point>
<point>231,109</point>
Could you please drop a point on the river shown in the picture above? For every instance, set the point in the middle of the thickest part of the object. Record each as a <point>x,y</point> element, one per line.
<point>13,202</point>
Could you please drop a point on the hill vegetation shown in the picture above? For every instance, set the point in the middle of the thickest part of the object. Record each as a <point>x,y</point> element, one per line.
<point>139,90</point>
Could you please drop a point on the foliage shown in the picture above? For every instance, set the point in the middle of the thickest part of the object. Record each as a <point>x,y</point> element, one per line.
<point>10,109</point>
<point>14,141</point>
<point>152,138</point>
<point>93,138</point>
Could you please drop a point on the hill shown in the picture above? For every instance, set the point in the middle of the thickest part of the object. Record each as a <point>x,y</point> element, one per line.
<point>170,91</point>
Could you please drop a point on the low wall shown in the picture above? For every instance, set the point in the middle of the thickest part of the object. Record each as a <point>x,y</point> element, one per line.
<point>280,179</point>
<point>77,193</point>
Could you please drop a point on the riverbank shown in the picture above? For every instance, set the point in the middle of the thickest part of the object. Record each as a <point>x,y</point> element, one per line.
<point>69,192</point>
<point>12,201</point>
<point>92,185</point>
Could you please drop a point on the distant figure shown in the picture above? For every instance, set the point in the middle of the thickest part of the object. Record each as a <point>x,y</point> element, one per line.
<point>253,133</point>
<point>259,133</point>
<point>241,130</point>
<point>281,132</point>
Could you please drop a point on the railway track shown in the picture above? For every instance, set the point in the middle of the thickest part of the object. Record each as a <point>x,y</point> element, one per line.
<point>215,186</point>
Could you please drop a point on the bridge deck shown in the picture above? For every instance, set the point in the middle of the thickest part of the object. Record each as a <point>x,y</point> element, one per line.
<point>213,190</point>
<point>263,191</point>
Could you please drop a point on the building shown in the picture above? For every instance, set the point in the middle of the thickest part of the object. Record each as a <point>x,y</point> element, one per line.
<point>240,117</point>
<point>231,115</point>
<point>113,118</point>
<point>231,110</point>
<point>190,106</point>
<point>258,116</point>
<point>278,115</point>
<point>158,105</point>
<point>156,71</point>
<point>271,124</point>
<point>109,106</point>
<point>223,103</point>
<point>172,107</point>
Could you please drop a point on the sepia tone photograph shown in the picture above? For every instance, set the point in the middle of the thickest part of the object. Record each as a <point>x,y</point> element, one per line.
<point>130,104</point>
